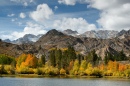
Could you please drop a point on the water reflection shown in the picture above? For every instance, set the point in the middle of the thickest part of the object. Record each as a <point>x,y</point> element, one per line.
<point>5,81</point>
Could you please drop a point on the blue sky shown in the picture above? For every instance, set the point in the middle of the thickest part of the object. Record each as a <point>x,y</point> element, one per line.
<point>20,17</point>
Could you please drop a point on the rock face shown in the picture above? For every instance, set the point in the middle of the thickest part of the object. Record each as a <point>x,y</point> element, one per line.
<point>28,38</point>
<point>123,32</point>
<point>101,52</point>
<point>101,34</point>
<point>84,45</point>
<point>8,49</point>
<point>70,32</point>
<point>57,39</point>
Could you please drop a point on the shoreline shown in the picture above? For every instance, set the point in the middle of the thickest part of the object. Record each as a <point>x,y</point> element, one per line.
<point>58,76</point>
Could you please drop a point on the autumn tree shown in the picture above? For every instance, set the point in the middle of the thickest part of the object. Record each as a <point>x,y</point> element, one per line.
<point>75,68</point>
<point>1,69</point>
<point>83,66</point>
<point>31,61</point>
<point>21,59</point>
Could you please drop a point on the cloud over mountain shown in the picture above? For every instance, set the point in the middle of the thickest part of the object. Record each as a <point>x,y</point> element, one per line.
<point>78,24</point>
<point>31,28</point>
<point>114,15</point>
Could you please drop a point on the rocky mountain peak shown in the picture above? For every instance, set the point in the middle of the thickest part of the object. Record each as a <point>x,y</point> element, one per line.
<point>123,32</point>
<point>7,40</point>
<point>28,36</point>
<point>70,32</point>
<point>54,32</point>
<point>101,34</point>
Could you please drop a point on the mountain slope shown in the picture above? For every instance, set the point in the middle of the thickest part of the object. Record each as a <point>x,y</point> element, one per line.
<point>70,32</point>
<point>57,39</point>
<point>101,34</point>
<point>83,45</point>
<point>123,32</point>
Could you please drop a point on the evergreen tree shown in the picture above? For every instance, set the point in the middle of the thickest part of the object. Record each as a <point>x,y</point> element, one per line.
<point>80,58</point>
<point>58,55</point>
<point>106,59</point>
<point>92,57</point>
<point>71,53</point>
<point>64,60</point>
<point>52,58</point>
<point>122,56</point>
<point>43,59</point>
<point>95,57</point>
<point>110,56</point>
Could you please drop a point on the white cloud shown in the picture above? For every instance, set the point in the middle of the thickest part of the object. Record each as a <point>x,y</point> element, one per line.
<point>78,24</point>
<point>34,29</point>
<point>22,15</point>
<point>23,2</point>
<point>30,28</point>
<point>56,7</point>
<point>67,2</point>
<point>42,12</point>
<point>115,15</point>
<point>72,2</point>
<point>11,15</point>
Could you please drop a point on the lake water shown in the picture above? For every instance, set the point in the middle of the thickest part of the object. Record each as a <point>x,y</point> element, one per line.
<point>63,82</point>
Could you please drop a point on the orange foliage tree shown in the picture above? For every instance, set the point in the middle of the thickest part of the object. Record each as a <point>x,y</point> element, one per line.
<point>28,60</point>
<point>31,61</point>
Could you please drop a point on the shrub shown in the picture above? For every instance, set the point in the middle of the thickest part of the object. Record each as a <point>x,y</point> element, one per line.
<point>127,73</point>
<point>96,72</point>
<point>88,71</point>
<point>62,71</point>
<point>38,71</point>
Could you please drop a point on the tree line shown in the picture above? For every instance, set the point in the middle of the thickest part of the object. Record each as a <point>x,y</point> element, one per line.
<point>66,62</point>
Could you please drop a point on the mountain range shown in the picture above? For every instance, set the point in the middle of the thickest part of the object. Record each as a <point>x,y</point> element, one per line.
<point>100,34</point>
<point>28,38</point>
<point>82,44</point>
